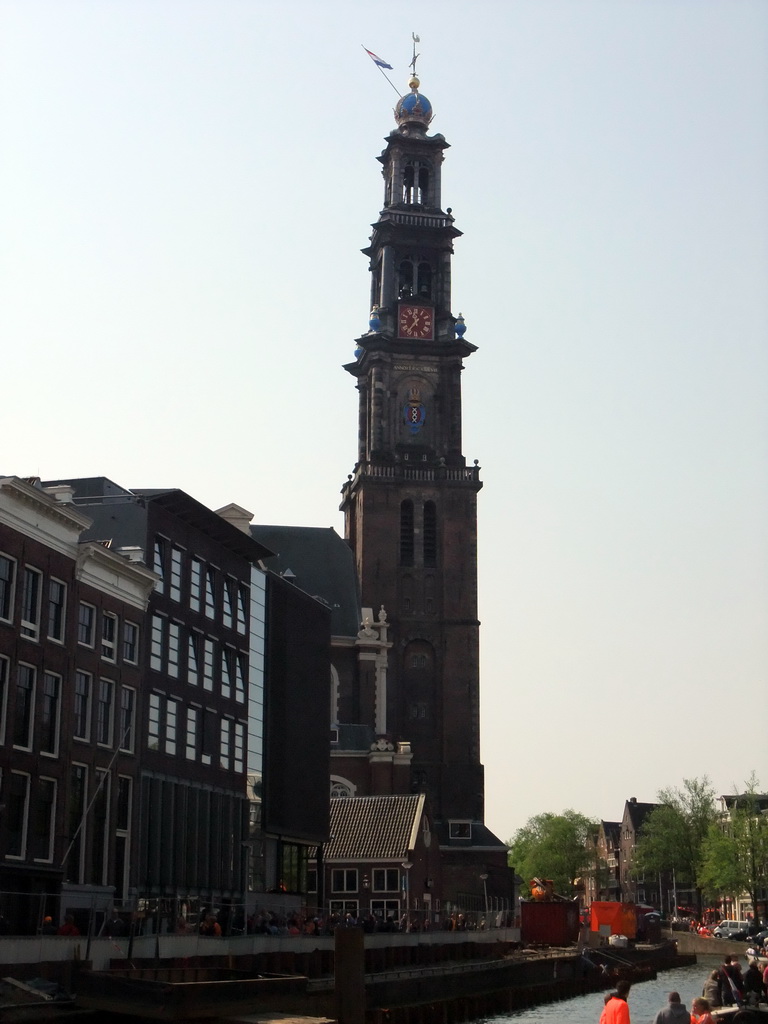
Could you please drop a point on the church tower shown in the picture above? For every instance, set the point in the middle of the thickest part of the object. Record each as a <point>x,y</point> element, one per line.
<point>411,504</point>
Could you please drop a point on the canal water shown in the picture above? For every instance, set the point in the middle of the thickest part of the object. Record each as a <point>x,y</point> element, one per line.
<point>645,999</point>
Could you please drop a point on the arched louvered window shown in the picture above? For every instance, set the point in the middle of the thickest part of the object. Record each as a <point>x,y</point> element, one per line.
<point>406,533</point>
<point>430,534</point>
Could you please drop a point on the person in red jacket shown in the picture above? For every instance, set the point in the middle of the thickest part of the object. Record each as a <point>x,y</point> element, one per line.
<point>616,1010</point>
<point>69,927</point>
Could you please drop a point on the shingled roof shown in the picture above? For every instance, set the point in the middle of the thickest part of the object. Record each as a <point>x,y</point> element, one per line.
<point>374,827</point>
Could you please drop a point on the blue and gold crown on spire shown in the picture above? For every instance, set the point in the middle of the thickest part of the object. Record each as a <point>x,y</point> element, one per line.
<point>413,108</point>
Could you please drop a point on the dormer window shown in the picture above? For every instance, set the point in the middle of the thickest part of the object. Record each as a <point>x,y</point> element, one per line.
<point>460,829</point>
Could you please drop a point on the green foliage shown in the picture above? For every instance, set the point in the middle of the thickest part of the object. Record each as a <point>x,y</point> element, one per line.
<point>552,846</point>
<point>673,834</point>
<point>735,852</point>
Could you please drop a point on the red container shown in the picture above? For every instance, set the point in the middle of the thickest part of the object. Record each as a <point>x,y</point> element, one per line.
<point>551,924</point>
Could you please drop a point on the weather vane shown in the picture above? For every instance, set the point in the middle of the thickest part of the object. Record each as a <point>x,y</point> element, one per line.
<point>416,56</point>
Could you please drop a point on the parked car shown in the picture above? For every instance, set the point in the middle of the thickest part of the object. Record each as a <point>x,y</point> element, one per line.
<point>731,930</point>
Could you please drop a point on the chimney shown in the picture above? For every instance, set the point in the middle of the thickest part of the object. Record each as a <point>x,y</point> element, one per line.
<point>133,554</point>
<point>238,516</point>
<point>63,493</point>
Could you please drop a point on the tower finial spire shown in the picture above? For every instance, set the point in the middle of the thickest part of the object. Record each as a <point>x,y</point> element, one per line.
<point>416,56</point>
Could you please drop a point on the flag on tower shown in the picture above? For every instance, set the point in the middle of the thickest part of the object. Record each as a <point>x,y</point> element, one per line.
<point>377,60</point>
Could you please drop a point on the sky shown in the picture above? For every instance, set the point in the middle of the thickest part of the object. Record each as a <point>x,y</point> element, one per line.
<point>185,187</point>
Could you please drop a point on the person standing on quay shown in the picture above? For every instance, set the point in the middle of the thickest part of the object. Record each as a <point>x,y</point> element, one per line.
<point>616,1010</point>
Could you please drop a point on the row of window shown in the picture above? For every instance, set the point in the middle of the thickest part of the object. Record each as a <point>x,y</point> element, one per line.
<point>30,822</point>
<point>43,611</point>
<point>202,735</point>
<point>381,880</point>
<point>99,706</point>
<point>183,653</point>
<point>200,585</point>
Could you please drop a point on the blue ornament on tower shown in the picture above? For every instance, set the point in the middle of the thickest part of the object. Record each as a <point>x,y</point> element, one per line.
<point>460,327</point>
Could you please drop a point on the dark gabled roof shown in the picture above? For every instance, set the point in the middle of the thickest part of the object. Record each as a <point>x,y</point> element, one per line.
<point>193,512</point>
<point>637,813</point>
<point>118,515</point>
<point>321,564</point>
<point>373,827</point>
<point>611,830</point>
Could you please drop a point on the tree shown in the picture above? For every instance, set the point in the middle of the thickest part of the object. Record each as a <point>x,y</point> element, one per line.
<point>673,834</point>
<point>735,853</point>
<point>552,846</point>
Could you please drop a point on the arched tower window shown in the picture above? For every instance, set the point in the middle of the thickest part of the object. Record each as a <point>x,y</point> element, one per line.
<point>423,184</point>
<point>405,279</point>
<point>415,183</point>
<point>424,281</point>
<point>430,534</point>
<point>406,533</point>
<point>414,278</point>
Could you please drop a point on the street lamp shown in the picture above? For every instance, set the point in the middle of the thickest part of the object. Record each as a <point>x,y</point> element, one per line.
<point>407,892</point>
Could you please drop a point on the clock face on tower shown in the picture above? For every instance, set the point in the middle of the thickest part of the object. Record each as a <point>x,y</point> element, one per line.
<point>415,322</point>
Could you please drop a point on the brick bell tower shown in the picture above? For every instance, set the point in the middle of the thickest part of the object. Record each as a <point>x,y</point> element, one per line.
<point>411,504</point>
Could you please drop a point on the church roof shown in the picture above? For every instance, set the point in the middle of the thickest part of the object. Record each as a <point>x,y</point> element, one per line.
<point>374,827</point>
<point>321,564</point>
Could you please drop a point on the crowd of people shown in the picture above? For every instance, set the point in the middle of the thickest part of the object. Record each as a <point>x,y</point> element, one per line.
<point>725,986</point>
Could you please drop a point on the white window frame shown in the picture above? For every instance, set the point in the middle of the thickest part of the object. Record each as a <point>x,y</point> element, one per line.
<point>109,647</point>
<point>25,821</point>
<point>226,672</point>
<point>228,607</point>
<point>197,573</point>
<point>348,879</point>
<point>385,887</point>
<point>57,638</point>
<point>173,650</point>
<point>12,587</point>
<point>134,659</point>
<point>31,715</point>
<point>383,909</point>
<point>225,743</point>
<point>171,741</point>
<point>5,682</point>
<point>157,642</point>
<point>177,562</point>
<point>238,751</point>
<point>194,641</point>
<point>51,824</point>
<point>192,741</point>
<point>460,829</point>
<point>155,717</point>
<point>110,720</point>
<point>129,745</point>
<point>57,723</point>
<point>92,626</point>
<point>209,663</point>
<point>86,735</point>
<point>243,595</point>
<point>209,592</point>
<point>30,628</point>
<point>159,548</point>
